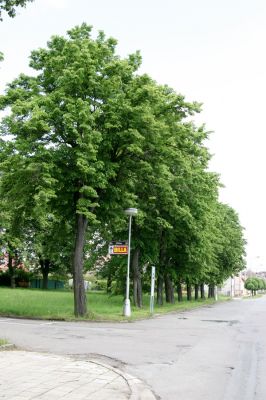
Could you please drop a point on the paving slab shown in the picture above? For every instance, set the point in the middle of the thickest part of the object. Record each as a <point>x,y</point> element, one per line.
<point>30,375</point>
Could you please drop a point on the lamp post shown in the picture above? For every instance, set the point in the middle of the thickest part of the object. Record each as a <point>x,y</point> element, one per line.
<point>127,309</point>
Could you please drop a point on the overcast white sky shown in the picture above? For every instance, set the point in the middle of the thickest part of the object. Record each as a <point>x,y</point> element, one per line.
<point>212,51</point>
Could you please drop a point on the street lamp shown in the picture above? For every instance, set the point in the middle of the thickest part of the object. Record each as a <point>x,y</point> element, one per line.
<point>127,309</point>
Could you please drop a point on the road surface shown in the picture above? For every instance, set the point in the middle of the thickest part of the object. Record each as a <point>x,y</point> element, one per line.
<point>214,352</point>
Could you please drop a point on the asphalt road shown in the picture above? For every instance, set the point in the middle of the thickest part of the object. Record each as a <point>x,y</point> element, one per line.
<point>215,352</point>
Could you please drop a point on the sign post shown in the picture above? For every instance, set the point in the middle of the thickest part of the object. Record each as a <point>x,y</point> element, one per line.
<point>152,289</point>
<point>127,307</point>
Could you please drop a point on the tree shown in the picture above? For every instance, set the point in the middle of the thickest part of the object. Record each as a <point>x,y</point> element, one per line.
<point>79,130</point>
<point>252,285</point>
<point>229,244</point>
<point>24,188</point>
<point>12,235</point>
<point>50,246</point>
<point>86,137</point>
<point>10,6</point>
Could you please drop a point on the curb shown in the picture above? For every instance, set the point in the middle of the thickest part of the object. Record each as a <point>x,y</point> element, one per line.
<point>7,346</point>
<point>139,390</point>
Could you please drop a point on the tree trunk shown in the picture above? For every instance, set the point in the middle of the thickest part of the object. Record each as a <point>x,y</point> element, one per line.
<point>202,291</point>
<point>189,294</point>
<point>80,305</point>
<point>45,269</point>
<point>45,280</point>
<point>169,289</point>
<point>211,291</point>
<point>11,271</point>
<point>109,283</point>
<point>196,291</point>
<point>160,290</point>
<point>137,286</point>
<point>179,292</point>
<point>161,268</point>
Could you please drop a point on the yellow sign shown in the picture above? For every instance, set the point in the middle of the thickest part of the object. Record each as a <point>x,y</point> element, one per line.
<point>118,249</point>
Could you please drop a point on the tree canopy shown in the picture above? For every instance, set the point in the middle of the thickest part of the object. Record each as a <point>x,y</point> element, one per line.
<point>84,138</point>
<point>9,6</point>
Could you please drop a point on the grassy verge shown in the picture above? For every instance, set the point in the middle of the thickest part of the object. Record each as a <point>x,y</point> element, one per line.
<point>58,305</point>
<point>3,342</point>
<point>257,296</point>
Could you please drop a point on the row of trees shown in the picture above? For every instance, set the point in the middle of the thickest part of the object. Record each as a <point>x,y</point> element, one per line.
<point>254,284</point>
<point>85,137</point>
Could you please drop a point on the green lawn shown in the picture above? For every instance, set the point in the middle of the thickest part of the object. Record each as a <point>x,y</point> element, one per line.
<point>34,303</point>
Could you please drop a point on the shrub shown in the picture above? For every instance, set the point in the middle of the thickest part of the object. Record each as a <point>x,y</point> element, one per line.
<point>100,284</point>
<point>22,278</point>
<point>5,279</point>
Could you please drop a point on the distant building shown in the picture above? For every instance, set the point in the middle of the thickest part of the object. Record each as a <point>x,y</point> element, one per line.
<point>261,274</point>
<point>4,263</point>
<point>235,286</point>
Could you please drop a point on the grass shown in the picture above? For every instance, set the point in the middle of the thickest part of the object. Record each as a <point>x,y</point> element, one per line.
<point>58,305</point>
<point>257,296</point>
<point>3,342</point>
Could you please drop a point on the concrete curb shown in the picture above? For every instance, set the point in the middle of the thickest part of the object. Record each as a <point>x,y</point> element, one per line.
<point>139,391</point>
<point>7,346</point>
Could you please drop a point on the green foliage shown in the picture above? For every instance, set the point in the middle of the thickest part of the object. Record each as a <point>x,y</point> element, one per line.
<point>99,284</point>
<point>22,278</point>
<point>86,137</point>
<point>10,6</point>
<point>254,283</point>
<point>5,279</point>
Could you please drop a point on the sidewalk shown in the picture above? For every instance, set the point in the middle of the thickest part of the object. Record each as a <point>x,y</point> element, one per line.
<point>27,376</point>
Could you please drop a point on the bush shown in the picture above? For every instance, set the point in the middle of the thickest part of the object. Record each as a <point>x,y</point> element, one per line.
<point>100,284</point>
<point>22,278</point>
<point>5,279</point>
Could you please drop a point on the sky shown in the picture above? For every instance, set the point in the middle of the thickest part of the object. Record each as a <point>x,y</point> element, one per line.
<point>211,51</point>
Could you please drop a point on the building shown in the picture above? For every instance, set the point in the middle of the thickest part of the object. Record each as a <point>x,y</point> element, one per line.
<point>235,286</point>
<point>4,263</point>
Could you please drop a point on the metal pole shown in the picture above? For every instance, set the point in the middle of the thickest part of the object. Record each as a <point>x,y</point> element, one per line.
<point>128,257</point>
<point>152,289</point>
<point>127,308</point>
